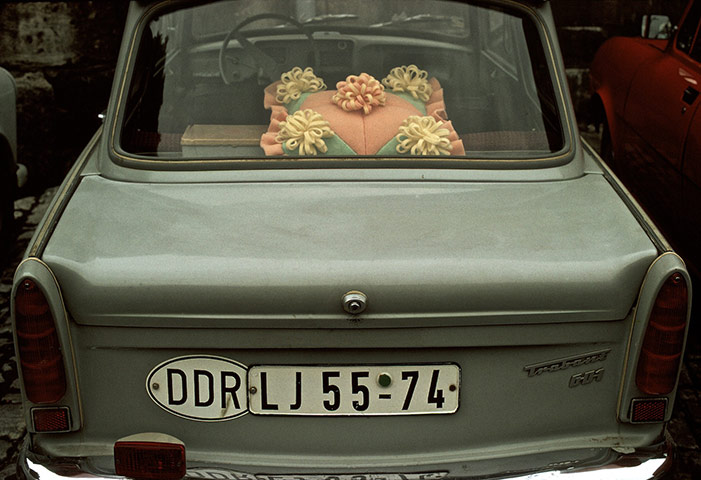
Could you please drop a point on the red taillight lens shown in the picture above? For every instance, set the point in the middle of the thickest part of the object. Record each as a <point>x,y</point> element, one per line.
<point>646,410</point>
<point>38,346</point>
<point>51,419</point>
<point>660,356</point>
<point>150,460</point>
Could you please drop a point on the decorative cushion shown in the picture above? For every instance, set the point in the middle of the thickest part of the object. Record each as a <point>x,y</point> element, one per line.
<point>402,115</point>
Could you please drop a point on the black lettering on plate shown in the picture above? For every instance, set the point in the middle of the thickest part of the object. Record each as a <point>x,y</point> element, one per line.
<point>183,386</point>
<point>298,392</point>
<point>359,389</point>
<point>329,388</point>
<point>210,388</point>
<point>413,377</point>
<point>435,395</point>
<point>230,390</point>
<point>264,393</point>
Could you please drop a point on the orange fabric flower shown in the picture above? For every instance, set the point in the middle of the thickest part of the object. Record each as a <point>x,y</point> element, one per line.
<point>360,92</point>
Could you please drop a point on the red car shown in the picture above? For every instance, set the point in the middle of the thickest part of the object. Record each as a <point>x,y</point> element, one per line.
<point>646,91</point>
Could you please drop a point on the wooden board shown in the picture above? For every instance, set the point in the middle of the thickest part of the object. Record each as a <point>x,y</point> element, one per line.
<point>223,135</point>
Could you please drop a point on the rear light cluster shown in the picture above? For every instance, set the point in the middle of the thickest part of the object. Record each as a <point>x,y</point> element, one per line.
<point>38,345</point>
<point>662,348</point>
<point>51,419</point>
<point>150,460</point>
<point>645,410</point>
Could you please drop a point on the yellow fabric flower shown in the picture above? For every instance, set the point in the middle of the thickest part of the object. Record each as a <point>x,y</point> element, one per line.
<point>411,80</point>
<point>296,82</point>
<point>359,92</point>
<point>305,129</point>
<point>423,136</point>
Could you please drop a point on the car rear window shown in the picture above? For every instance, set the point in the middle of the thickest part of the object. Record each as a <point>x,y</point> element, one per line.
<point>276,79</point>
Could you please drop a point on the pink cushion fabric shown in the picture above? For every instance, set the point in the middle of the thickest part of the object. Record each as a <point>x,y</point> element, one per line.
<point>365,134</point>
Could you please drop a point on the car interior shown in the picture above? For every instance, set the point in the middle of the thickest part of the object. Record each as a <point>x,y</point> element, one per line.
<point>501,100</point>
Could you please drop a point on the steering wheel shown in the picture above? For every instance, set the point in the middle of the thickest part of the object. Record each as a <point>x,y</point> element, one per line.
<point>253,60</point>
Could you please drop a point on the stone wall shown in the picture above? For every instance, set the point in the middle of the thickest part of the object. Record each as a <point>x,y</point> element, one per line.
<point>63,54</point>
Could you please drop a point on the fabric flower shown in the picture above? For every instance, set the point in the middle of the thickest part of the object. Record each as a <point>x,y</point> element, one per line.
<point>423,136</point>
<point>411,80</point>
<point>305,129</point>
<point>359,92</point>
<point>296,82</point>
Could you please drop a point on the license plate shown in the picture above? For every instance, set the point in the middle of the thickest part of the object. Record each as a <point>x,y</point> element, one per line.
<point>354,390</point>
<point>219,474</point>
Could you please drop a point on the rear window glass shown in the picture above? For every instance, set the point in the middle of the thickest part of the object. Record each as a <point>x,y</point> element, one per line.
<point>274,79</point>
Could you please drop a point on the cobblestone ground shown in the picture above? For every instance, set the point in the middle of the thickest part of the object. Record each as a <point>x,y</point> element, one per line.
<point>685,426</point>
<point>28,213</point>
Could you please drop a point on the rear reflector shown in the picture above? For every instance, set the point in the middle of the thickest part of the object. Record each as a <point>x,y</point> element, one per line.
<point>38,346</point>
<point>149,460</point>
<point>51,419</point>
<point>648,410</point>
<point>661,353</point>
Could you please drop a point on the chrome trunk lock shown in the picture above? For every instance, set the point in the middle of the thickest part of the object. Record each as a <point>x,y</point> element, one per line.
<point>355,302</point>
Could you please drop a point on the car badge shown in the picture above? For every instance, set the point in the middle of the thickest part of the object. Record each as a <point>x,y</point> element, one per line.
<point>567,362</point>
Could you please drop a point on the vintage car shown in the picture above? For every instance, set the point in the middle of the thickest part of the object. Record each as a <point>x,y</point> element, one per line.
<point>645,95</point>
<point>345,240</point>
<point>11,174</point>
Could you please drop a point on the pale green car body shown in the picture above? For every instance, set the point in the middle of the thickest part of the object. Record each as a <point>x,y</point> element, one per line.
<point>530,276</point>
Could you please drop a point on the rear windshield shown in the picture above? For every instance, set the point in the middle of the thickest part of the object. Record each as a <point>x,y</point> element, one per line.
<point>272,79</point>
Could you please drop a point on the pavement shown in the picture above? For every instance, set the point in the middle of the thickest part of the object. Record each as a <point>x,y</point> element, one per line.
<point>685,427</point>
<point>28,212</point>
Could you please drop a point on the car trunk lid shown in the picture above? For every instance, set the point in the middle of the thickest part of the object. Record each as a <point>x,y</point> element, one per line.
<point>281,255</point>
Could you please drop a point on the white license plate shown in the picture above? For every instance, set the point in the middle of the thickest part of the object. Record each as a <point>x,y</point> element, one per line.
<point>353,390</point>
<point>218,474</point>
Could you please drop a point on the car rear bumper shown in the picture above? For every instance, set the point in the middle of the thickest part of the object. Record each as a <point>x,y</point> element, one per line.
<point>651,463</point>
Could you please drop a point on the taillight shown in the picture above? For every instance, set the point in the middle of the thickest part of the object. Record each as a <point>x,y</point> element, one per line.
<point>661,353</point>
<point>648,410</point>
<point>38,346</point>
<point>52,419</point>
<point>150,460</point>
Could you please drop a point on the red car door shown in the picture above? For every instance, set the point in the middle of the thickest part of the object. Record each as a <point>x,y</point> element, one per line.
<point>662,101</point>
